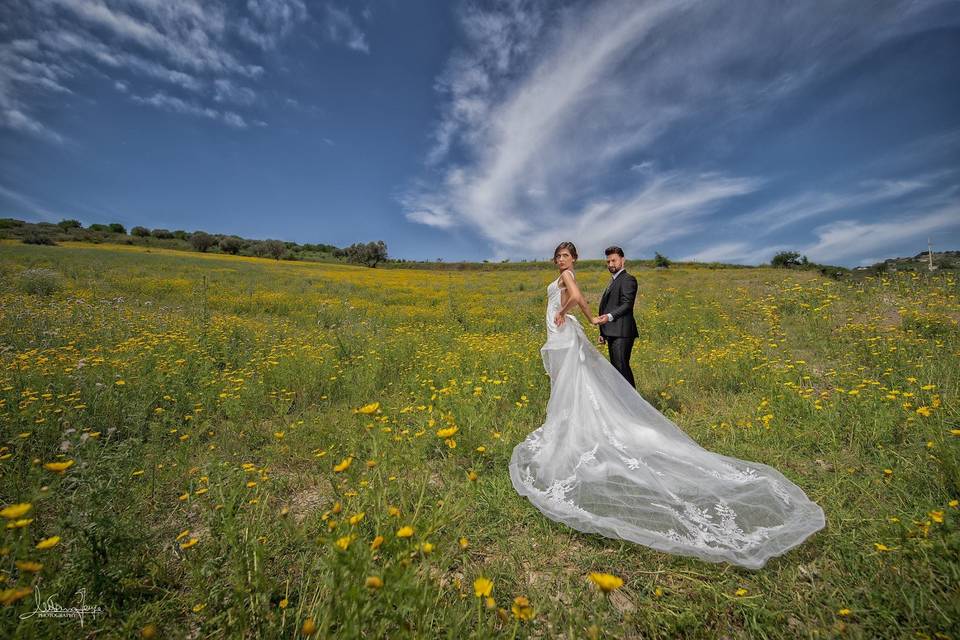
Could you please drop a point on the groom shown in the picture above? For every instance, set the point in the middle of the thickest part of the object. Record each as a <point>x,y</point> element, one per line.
<point>617,326</point>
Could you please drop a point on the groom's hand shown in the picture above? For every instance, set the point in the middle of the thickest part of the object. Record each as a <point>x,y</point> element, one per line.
<point>599,320</point>
<point>601,340</point>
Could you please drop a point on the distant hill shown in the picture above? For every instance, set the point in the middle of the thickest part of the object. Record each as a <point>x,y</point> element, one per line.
<point>115,233</point>
<point>374,253</point>
<point>942,260</point>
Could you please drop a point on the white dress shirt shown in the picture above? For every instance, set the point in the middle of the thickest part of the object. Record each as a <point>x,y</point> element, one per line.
<point>612,278</point>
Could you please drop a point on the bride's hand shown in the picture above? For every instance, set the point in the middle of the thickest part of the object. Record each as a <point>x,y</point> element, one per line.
<point>560,319</point>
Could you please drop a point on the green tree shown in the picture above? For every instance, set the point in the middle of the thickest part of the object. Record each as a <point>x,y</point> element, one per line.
<point>786,259</point>
<point>274,248</point>
<point>370,254</point>
<point>202,241</point>
<point>231,245</point>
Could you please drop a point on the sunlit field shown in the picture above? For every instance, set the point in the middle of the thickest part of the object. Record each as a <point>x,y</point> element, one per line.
<point>213,446</point>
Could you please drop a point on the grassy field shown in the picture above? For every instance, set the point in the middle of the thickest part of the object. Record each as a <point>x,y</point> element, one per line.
<point>213,446</point>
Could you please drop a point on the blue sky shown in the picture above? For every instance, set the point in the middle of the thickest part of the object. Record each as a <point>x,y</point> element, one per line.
<point>491,130</point>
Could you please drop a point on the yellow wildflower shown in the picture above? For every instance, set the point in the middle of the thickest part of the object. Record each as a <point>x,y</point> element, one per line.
<point>49,543</point>
<point>15,511</point>
<point>344,464</point>
<point>19,524</point>
<point>58,467</point>
<point>521,608</point>
<point>405,532</point>
<point>606,581</point>
<point>482,587</point>
<point>373,582</point>
<point>368,408</point>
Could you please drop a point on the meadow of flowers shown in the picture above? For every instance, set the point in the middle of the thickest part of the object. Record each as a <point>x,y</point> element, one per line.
<point>214,446</point>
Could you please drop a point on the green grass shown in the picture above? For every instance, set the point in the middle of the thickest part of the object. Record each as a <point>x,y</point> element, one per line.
<point>173,380</point>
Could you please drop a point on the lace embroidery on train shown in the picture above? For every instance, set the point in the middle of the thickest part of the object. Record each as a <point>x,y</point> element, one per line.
<point>669,493</point>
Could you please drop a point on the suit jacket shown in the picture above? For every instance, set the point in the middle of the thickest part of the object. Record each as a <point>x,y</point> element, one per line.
<point>618,300</point>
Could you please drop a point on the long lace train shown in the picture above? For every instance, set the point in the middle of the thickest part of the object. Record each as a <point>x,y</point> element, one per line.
<point>606,461</point>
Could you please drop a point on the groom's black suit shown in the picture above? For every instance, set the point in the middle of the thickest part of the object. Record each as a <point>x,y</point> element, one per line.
<point>620,333</point>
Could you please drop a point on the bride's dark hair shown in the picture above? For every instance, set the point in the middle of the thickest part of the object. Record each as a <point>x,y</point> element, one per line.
<point>565,245</point>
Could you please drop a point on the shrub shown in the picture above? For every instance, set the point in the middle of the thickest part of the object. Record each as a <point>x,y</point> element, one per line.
<point>140,232</point>
<point>66,225</point>
<point>202,241</point>
<point>369,254</point>
<point>38,238</point>
<point>116,227</point>
<point>161,233</point>
<point>661,261</point>
<point>40,281</point>
<point>786,259</point>
<point>231,245</point>
<point>274,248</point>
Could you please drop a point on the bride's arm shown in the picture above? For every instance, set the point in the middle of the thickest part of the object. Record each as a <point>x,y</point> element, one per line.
<point>574,298</point>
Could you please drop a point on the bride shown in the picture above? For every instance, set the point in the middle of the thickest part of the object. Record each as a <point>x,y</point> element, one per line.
<point>605,461</point>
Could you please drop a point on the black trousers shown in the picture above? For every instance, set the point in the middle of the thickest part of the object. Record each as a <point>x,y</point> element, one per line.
<point>620,349</point>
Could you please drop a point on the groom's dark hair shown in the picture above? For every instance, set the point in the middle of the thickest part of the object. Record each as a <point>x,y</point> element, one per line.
<point>614,249</point>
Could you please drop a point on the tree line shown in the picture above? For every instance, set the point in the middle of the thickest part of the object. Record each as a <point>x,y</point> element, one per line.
<point>370,253</point>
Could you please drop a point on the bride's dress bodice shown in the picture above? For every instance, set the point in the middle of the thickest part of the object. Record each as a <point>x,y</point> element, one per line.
<point>606,461</point>
<point>563,334</point>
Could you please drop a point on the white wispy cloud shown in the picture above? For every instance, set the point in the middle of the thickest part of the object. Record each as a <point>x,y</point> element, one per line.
<point>188,45</point>
<point>271,21</point>
<point>227,91</point>
<point>73,44</point>
<point>28,204</point>
<point>177,105</point>
<point>342,29</point>
<point>547,109</point>
<point>842,240</point>
<point>188,34</point>
<point>782,213</point>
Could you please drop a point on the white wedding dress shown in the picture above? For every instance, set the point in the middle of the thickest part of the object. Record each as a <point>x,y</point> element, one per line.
<point>606,461</point>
